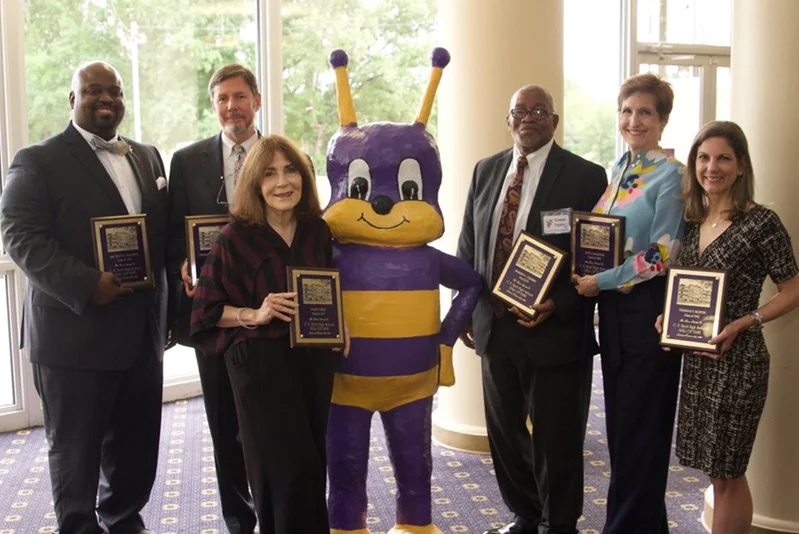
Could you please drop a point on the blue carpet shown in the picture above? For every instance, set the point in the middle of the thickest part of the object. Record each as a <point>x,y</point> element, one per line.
<point>184,499</point>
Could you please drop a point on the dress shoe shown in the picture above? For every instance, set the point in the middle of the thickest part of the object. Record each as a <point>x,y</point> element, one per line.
<point>513,528</point>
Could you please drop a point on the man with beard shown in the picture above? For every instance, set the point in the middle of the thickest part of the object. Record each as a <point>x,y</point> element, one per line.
<point>532,368</point>
<point>96,347</point>
<point>202,180</point>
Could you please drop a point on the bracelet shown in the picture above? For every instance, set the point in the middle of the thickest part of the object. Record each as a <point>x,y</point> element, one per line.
<point>241,323</point>
<point>757,321</point>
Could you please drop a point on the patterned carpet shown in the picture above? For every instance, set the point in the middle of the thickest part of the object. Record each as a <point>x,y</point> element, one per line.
<point>184,500</point>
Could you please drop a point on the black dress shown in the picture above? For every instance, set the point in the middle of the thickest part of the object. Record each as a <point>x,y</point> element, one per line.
<point>282,394</point>
<point>721,400</point>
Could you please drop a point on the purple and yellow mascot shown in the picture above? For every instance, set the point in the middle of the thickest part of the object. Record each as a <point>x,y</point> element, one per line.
<point>383,212</point>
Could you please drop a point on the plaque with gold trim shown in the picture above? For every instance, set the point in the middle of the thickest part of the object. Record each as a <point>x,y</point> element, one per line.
<point>695,307</point>
<point>597,242</point>
<point>201,234</point>
<point>319,321</point>
<point>529,273</point>
<point>120,247</point>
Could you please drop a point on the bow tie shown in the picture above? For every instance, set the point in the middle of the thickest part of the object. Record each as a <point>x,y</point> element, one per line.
<point>118,147</point>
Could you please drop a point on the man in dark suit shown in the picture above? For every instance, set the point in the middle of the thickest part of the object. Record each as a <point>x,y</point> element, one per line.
<point>96,347</point>
<point>202,179</point>
<point>538,369</point>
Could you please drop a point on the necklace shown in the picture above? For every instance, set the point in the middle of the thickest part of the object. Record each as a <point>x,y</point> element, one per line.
<point>715,224</point>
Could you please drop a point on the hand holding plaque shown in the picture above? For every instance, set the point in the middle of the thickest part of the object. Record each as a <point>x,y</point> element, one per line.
<point>529,273</point>
<point>319,321</point>
<point>121,247</point>
<point>597,242</point>
<point>694,309</point>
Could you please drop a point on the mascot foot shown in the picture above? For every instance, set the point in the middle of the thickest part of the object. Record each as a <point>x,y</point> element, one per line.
<point>415,529</point>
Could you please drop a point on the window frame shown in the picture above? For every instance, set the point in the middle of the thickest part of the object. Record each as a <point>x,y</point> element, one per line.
<point>636,53</point>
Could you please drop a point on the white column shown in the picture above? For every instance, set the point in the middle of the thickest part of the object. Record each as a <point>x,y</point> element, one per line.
<point>765,82</point>
<point>496,48</point>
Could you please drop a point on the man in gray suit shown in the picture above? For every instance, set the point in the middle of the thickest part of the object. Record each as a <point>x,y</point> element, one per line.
<point>202,179</point>
<point>96,347</point>
<point>538,369</point>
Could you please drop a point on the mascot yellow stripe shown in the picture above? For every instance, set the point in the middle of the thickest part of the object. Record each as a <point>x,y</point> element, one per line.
<point>392,314</point>
<point>383,393</point>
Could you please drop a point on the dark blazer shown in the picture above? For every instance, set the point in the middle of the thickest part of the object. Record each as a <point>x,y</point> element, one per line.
<point>53,189</point>
<point>195,179</point>
<point>567,181</point>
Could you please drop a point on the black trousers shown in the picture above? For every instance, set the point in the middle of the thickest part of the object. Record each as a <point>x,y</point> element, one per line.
<point>641,383</point>
<point>103,429</point>
<point>283,401</point>
<point>238,510</point>
<point>540,478</point>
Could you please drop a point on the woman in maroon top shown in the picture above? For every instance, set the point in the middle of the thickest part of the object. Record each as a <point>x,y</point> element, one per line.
<point>241,313</point>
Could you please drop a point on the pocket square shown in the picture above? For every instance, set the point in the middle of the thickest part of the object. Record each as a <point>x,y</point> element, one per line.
<point>160,182</point>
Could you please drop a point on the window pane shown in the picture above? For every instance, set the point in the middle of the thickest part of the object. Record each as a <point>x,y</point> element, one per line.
<point>389,44</point>
<point>723,94</point>
<point>704,22</point>
<point>7,387</point>
<point>165,52</point>
<point>684,121</point>
<point>590,88</point>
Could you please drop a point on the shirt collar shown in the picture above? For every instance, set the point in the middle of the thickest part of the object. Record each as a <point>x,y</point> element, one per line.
<point>533,158</point>
<point>89,137</point>
<point>649,154</point>
<point>229,143</point>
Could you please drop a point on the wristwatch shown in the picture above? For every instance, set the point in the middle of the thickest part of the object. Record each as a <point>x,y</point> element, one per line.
<point>757,321</point>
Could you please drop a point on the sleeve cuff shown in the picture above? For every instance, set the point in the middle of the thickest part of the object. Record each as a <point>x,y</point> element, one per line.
<point>604,281</point>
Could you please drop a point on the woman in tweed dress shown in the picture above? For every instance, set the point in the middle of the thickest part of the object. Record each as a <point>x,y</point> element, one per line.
<point>722,396</point>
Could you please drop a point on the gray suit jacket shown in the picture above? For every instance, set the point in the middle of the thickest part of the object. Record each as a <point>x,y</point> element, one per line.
<point>567,181</point>
<point>54,188</point>
<point>195,179</point>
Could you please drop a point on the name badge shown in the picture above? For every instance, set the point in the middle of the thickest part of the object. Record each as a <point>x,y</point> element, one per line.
<point>556,221</point>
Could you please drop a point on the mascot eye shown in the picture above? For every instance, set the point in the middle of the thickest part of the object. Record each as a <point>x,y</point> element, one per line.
<point>359,188</point>
<point>359,180</point>
<point>410,180</point>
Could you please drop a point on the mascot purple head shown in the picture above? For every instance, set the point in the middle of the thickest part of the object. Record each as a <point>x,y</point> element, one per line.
<point>384,177</point>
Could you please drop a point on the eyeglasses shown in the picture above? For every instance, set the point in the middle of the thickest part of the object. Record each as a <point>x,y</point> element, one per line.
<point>537,114</point>
<point>222,190</point>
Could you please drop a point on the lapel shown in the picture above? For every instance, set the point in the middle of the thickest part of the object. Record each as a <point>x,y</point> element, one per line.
<point>494,187</point>
<point>549,176</point>
<point>81,150</point>
<point>147,186</point>
<point>211,160</point>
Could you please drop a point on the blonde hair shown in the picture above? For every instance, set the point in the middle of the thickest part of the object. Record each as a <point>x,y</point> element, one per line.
<point>249,206</point>
<point>743,190</point>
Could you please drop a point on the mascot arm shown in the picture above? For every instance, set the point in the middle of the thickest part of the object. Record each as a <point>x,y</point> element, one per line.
<point>456,274</point>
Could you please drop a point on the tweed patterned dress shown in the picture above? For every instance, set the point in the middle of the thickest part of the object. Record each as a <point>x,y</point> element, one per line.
<point>721,400</point>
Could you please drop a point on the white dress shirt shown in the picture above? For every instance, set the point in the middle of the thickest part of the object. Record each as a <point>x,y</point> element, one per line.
<point>532,175</point>
<point>120,171</point>
<point>229,162</point>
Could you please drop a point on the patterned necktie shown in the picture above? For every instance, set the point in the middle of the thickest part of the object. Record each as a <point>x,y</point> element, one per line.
<point>240,154</point>
<point>118,147</point>
<point>507,224</point>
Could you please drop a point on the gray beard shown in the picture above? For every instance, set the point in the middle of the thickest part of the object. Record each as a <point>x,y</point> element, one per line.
<point>235,131</point>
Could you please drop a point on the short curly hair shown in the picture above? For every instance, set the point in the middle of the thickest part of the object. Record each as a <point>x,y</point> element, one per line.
<point>650,84</point>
